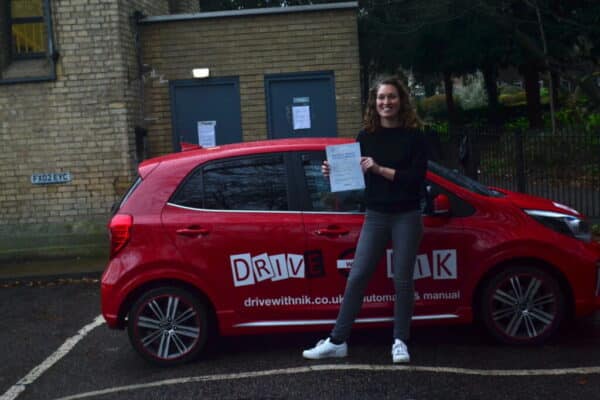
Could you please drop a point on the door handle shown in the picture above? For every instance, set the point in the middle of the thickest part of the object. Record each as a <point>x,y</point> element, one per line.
<point>192,232</point>
<point>332,231</point>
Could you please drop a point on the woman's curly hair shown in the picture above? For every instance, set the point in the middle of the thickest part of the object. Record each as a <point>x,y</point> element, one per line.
<point>408,117</point>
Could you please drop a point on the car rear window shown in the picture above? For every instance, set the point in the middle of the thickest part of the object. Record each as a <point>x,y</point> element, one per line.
<point>256,183</point>
<point>134,185</point>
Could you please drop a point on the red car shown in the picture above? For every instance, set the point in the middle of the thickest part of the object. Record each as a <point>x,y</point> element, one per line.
<point>247,238</point>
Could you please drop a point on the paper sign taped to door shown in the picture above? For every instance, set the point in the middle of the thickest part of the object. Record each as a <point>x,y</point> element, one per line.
<point>301,117</point>
<point>207,134</point>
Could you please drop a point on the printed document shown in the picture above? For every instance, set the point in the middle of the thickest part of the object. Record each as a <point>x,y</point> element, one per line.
<point>206,133</point>
<point>301,117</point>
<point>345,172</point>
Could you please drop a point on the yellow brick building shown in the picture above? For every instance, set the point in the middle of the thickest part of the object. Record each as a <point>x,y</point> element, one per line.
<point>79,113</point>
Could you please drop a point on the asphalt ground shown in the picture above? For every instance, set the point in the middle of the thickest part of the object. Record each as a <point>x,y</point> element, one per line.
<point>55,347</point>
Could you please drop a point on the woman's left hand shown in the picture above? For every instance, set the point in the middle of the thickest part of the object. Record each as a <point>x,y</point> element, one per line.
<point>368,164</point>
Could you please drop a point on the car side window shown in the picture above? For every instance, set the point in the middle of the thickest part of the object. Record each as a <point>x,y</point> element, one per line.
<point>252,184</point>
<point>320,196</point>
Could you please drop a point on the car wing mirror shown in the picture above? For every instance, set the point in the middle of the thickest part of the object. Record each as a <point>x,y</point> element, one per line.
<point>441,205</point>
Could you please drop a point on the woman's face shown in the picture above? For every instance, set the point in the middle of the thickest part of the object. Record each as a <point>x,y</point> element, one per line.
<point>388,102</point>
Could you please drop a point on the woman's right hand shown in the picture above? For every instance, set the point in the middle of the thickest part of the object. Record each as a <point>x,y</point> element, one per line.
<point>325,169</point>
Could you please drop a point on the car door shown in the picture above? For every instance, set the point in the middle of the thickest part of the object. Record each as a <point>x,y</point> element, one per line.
<point>440,265</point>
<point>232,224</point>
<point>333,221</point>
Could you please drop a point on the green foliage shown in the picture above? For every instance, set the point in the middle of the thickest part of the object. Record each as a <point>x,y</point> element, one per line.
<point>509,89</point>
<point>472,93</point>
<point>596,231</point>
<point>592,122</point>
<point>515,99</point>
<point>520,123</point>
<point>566,156</point>
<point>442,128</point>
<point>432,106</point>
<point>496,165</point>
<point>575,113</point>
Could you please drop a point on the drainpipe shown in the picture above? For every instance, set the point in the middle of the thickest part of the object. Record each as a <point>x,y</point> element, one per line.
<point>140,130</point>
<point>52,52</point>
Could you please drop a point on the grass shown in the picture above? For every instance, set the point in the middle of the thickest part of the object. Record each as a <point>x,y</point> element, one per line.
<point>596,232</point>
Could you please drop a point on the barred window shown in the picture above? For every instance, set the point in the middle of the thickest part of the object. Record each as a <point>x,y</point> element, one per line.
<point>28,29</point>
<point>26,32</point>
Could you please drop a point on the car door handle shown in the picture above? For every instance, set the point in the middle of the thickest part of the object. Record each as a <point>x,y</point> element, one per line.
<point>192,232</point>
<point>332,231</point>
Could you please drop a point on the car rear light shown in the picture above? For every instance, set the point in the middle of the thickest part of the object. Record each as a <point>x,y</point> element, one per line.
<point>120,232</point>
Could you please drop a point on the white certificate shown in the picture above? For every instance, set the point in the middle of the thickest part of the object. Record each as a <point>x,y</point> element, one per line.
<point>206,133</point>
<point>345,172</point>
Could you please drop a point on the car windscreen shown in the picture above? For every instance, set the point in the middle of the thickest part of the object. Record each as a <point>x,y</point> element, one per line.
<point>461,180</point>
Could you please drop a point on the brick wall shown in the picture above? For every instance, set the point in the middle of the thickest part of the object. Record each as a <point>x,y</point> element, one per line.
<point>250,45</point>
<point>84,121</point>
<point>81,123</point>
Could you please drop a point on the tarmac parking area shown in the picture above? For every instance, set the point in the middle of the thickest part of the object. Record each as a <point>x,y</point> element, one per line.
<point>56,347</point>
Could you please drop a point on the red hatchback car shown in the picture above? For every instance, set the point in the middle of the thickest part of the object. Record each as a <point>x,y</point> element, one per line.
<point>247,238</point>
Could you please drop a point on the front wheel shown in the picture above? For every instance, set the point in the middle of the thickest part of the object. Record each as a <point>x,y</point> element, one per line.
<point>522,305</point>
<point>168,326</point>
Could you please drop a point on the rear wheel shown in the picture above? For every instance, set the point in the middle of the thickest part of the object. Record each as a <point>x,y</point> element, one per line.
<point>168,326</point>
<point>522,305</point>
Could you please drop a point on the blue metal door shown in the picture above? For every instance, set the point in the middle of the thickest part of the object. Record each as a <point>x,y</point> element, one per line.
<point>204,108</point>
<point>300,105</point>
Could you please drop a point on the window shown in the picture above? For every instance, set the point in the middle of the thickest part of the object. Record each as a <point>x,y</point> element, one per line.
<point>250,184</point>
<point>321,197</point>
<point>25,31</point>
<point>28,36</point>
<point>190,192</point>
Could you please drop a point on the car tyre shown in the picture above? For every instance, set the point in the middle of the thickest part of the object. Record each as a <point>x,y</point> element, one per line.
<point>522,305</point>
<point>168,326</point>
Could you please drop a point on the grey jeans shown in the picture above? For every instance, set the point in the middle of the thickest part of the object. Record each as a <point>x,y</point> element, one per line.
<point>405,230</point>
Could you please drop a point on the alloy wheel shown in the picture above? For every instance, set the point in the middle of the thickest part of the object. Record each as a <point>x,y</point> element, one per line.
<point>168,326</point>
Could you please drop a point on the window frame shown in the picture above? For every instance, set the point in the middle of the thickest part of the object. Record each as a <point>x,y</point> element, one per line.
<point>50,54</point>
<point>21,21</point>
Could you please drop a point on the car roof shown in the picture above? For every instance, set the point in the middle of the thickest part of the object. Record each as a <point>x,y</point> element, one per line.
<point>201,154</point>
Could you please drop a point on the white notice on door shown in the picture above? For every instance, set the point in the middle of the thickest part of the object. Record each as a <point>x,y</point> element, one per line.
<point>206,133</point>
<point>301,117</point>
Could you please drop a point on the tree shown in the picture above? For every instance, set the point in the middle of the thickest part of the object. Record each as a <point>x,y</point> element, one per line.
<point>446,37</point>
<point>433,39</point>
<point>569,44</point>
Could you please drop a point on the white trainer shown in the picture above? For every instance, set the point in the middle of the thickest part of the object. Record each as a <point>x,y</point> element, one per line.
<point>400,352</point>
<point>326,349</point>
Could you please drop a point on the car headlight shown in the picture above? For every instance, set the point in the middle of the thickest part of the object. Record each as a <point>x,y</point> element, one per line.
<point>563,223</point>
